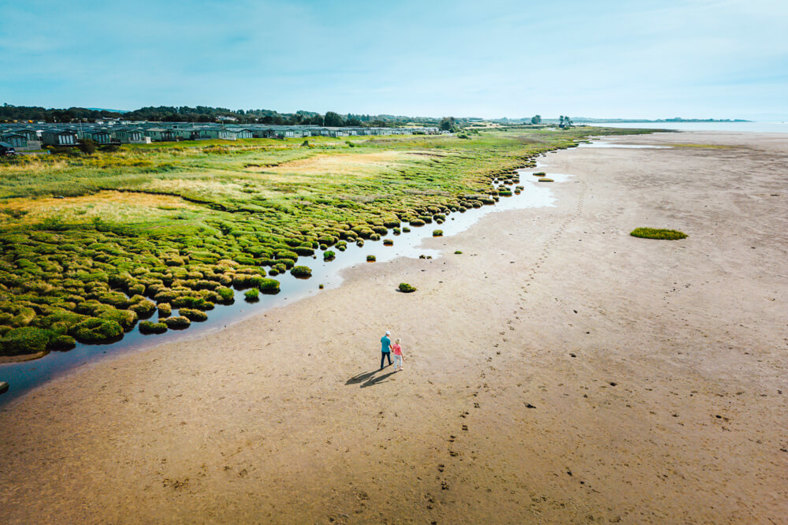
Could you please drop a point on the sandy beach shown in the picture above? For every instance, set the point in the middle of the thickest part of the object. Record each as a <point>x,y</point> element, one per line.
<point>557,371</point>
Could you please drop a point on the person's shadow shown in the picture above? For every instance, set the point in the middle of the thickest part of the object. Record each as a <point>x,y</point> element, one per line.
<point>372,381</point>
<point>368,378</point>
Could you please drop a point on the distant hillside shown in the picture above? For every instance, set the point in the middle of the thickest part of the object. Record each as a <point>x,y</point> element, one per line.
<point>110,110</point>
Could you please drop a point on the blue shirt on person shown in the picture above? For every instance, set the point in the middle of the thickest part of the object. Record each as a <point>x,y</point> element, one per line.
<point>385,343</point>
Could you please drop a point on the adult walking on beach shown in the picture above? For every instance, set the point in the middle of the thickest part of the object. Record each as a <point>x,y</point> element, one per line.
<point>385,348</point>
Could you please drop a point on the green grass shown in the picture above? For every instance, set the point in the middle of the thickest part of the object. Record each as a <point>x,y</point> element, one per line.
<point>180,223</point>
<point>655,233</point>
<point>406,288</point>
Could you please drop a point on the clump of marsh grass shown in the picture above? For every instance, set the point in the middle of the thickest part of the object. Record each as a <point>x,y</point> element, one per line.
<point>406,288</point>
<point>177,323</point>
<point>193,314</point>
<point>301,272</point>
<point>149,327</point>
<point>656,233</point>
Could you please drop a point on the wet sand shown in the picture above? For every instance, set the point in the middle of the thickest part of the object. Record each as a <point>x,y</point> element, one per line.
<point>558,370</point>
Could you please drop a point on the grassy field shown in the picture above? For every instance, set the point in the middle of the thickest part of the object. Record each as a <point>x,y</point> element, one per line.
<point>93,243</point>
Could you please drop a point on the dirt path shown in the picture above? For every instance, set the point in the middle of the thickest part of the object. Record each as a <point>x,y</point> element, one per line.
<point>558,370</point>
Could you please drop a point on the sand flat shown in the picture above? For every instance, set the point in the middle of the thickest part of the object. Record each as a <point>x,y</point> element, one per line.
<point>558,371</point>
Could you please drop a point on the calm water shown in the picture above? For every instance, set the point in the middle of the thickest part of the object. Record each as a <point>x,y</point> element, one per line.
<point>24,376</point>
<point>753,127</point>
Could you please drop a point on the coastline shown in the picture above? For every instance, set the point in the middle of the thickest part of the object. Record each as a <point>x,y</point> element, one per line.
<point>555,369</point>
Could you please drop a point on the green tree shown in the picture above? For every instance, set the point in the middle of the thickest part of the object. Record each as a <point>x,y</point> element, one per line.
<point>448,124</point>
<point>334,119</point>
<point>536,119</point>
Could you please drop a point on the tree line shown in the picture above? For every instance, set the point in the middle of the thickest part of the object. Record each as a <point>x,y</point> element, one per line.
<point>10,113</point>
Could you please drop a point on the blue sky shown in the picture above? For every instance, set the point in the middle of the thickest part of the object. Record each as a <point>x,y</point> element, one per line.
<point>487,58</point>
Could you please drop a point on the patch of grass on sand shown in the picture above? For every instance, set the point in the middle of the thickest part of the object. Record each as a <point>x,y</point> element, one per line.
<point>656,233</point>
<point>406,288</point>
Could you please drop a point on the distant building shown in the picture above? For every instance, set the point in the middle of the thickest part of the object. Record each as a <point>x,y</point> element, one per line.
<point>59,138</point>
<point>131,136</point>
<point>264,133</point>
<point>162,134</point>
<point>30,134</point>
<point>225,134</point>
<point>17,140</point>
<point>99,136</point>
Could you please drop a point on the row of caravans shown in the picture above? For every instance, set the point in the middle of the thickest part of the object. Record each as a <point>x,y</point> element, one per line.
<point>30,139</point>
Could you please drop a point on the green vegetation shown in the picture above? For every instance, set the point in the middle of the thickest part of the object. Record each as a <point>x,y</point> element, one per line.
<point>269,286</point>
<point>95,330</point>
<point>193,315</point>
<point>177,323</point>
<point>149,327</point>
<point>25,340</point>
<point>301,272</point>
<point>371,258</point>
<point>437,233</point>
<point>655,233</point>
<point>406,288</point>
<point>92,243</point>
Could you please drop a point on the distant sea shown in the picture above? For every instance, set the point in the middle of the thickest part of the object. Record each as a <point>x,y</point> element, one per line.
<point>755,127</point>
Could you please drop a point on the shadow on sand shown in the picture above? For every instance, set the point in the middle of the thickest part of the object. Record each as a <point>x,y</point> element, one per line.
<point>368,378</point>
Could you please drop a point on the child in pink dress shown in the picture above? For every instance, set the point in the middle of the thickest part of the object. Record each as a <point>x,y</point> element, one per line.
<point>397,351</point>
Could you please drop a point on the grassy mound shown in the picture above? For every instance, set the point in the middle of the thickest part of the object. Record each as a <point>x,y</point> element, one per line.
<point>193,315</point>
<point>406,288</point>
<point>177,323</point>
<point>301,272</point>
<point>63,343</point>
<point>95,330</point>
<point>165,310</point>
<point>656,233</point>
<point>269,286</point>
<point>149,327</point>
<point>25,340</point>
